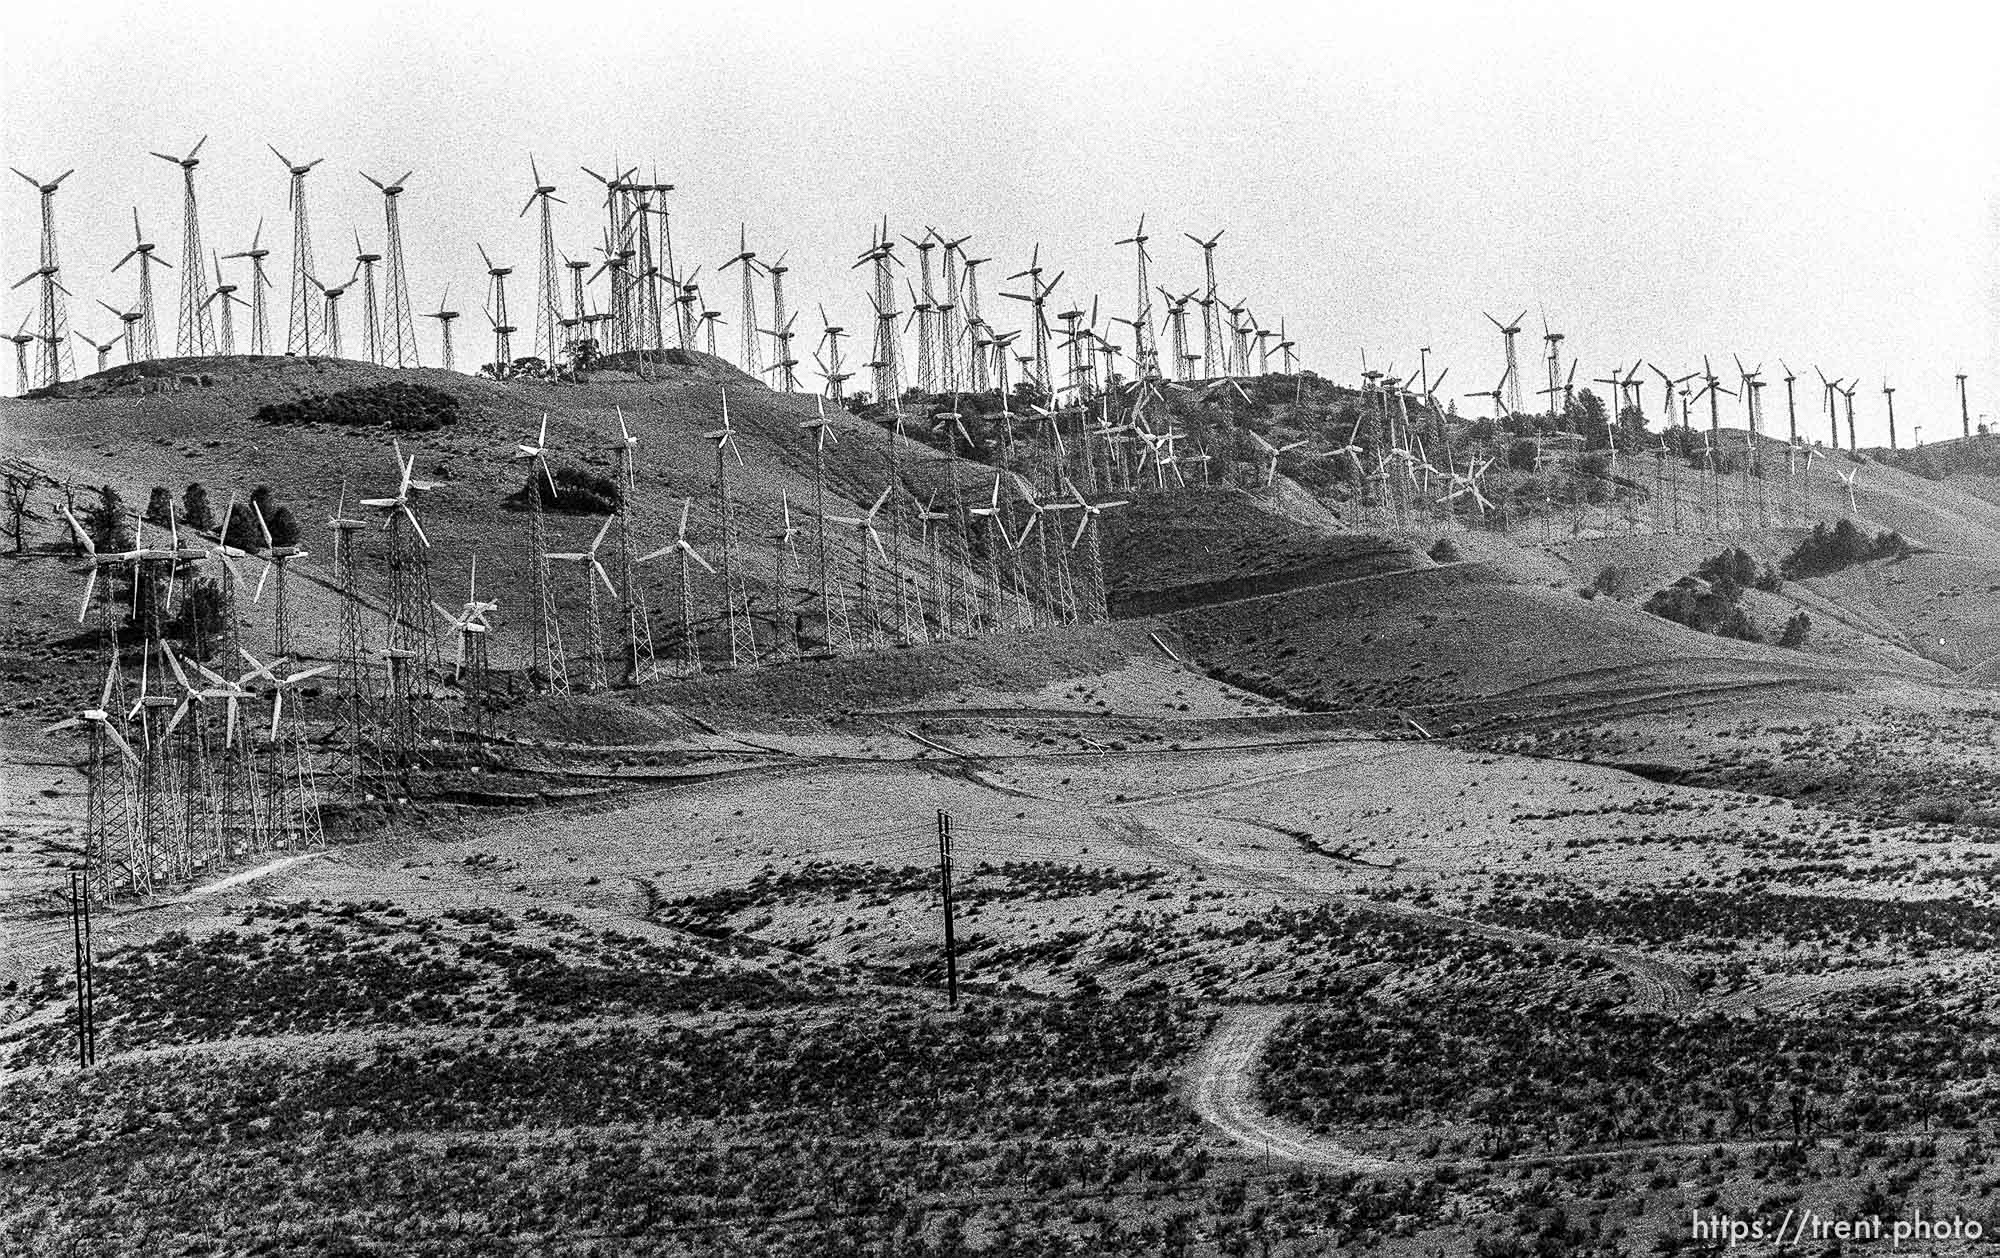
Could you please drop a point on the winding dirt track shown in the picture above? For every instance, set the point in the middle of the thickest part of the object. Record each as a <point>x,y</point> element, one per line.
<point>1221,1083</point>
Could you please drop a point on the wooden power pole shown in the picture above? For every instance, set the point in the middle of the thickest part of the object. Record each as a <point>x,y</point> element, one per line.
<point>944,881</point>
<point>79,920</point>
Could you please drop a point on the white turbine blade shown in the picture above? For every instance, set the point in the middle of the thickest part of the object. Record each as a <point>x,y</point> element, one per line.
<point>412,516</point>
<point>603,576</point>
<point>122,745</point>
<point>258,597</point>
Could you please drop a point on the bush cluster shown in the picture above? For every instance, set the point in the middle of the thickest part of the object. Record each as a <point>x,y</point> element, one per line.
<point>1842,546</point>
<point>398,405</point>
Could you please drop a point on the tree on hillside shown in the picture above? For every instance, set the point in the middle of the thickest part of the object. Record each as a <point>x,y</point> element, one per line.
<point>1585,414</point>
<point>242,531</point>
<point>195,510</point>
<point>20,487</point>
<point>284,527</point>
<point>159,505</point>
<point>104,520</point>
<point>1631,429</point>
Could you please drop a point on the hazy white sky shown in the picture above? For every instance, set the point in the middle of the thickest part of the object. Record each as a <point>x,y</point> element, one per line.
<point>1785,181</point>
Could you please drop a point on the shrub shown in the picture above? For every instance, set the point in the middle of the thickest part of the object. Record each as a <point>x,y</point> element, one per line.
<point>399,406</point>
<point>1795,630</point>
<point>1842,546</point>
<point>159,505</point>
<point>1611,580</point>
<point>1936,809</point>
<point>1445,551</point>
<point>578,492</point>
<point>1706,610</point>
<point>196,512</point>
<point>105,521</point>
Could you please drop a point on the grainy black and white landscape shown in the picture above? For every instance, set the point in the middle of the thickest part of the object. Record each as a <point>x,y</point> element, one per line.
<point>1383,816</point>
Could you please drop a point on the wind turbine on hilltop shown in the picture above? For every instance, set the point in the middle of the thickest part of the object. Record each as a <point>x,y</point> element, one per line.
<point>192,338</point>
<point>548,278</point>
<point>398,337</point>
<point>1145,350</point>
<point>496,313</point>
<point>330,344</point>
<point>131,319</point>
<point>1211,326</point>
<point>371,317</point>
<point>299,339</point>
<point>1512,379</point>
<point>225,322</point>
<point>58,361</point>
<point>260,315</point>
<point>21,362</point>
<point>444,318</point>
<point>22,339</point>
<point>147,341</point>
<point>1668,384</point>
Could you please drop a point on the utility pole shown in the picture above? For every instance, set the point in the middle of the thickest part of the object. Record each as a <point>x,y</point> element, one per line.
<point>944,881</point>
<point>1964,411</point>
<point>86,1002</point>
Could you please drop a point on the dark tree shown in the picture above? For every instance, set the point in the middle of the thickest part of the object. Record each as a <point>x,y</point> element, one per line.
<point>284,528</point>
<point>159,505</point>
<point>195,511</point>
<point>242,531</point>
<point>1585,413</point>
<point>201,620</point>
<point>105,521</point>
<point>1795,630</point>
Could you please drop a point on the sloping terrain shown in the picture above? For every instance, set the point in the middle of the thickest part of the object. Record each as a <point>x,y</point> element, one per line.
<point>1338,836</point>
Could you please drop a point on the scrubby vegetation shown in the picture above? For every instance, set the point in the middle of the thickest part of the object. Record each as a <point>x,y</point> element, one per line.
<point>304,968</point>
<point>398,406</point>
<point>1710,600</point>
<point>1828,926</point>
<point>578,492</point>
<point>1842,546</point>
<point>1529,1074</point>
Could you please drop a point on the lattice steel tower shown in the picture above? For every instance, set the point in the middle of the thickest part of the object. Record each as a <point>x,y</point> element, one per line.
<point>193,336</point>
<point>299,337</point>
<point>58,361</point>
<point>399,329</point>
<point>548,278</point>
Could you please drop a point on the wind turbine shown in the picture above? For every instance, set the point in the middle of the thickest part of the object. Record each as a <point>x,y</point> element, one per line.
<point>148,340</point>
<point>594,664</point>
<point>444,318</point>
<point>192,338</point>
<point>21,360</point>
<point>866,524</point>
<point>260,315</point>
<point>299,339</point>
<point>225,293</point>
<point>685,555</point>
<point>330,345</point>
<point>398,341</point>
<point>1511,380</point>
